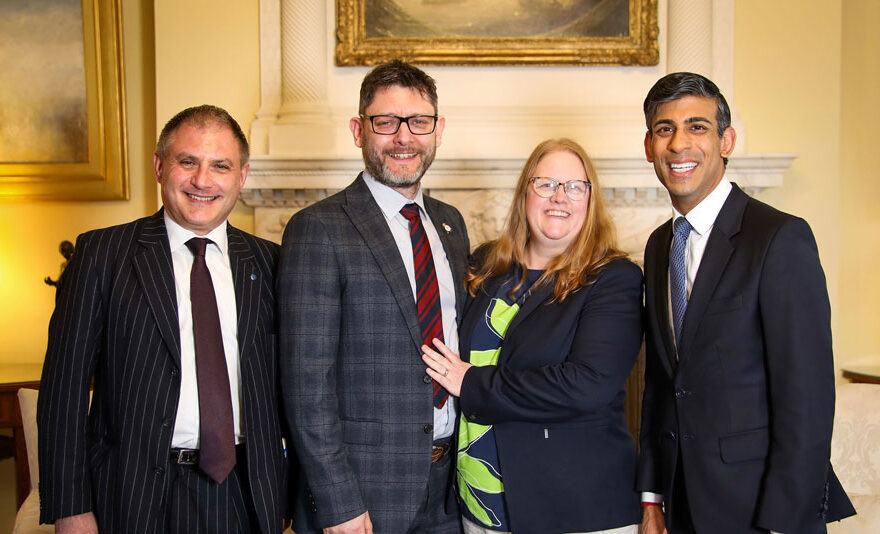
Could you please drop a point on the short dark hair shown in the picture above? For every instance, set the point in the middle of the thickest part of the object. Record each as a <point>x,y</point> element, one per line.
<point>201,117</point>
<point>400,73</point>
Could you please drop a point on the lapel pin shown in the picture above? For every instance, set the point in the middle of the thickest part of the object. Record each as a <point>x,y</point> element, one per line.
<point>253,277</point>
<point>447,228</point>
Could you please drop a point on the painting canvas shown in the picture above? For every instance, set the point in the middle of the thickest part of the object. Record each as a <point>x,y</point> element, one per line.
<point>497,32</point>
<point>43,93</point>
<point>62,131</point>
<point>497,18</point>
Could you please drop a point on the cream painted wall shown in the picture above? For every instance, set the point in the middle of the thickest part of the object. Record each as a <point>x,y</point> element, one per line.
<point>208,52</point>
<point>858,332</point>
<point>31,231</point>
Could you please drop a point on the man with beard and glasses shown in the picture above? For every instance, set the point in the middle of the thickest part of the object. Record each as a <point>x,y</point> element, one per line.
<point>367,276</point>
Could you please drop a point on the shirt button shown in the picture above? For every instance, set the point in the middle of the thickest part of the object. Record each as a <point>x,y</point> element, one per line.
<point>426,379</point>
<point>428,429</point>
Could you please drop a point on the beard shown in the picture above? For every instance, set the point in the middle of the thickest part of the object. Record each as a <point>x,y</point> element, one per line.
<point>374,159</point>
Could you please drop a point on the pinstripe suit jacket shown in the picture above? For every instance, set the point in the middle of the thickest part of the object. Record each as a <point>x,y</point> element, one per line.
<point>116,322</point>
<point>353,383</point>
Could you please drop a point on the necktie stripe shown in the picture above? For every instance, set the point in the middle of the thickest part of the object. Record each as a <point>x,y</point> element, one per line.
<point>428,307</point>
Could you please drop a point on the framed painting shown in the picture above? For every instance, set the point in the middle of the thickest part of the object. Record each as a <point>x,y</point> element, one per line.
<point>497,32</point>
<point>62,101</point>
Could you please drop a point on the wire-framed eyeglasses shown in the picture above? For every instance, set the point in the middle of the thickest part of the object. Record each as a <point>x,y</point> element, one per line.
<point>574,189</point>
<point>389,124</point>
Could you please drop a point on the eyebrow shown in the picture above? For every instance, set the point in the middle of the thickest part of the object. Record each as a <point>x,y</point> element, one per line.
<point>185,155</point>
<point>689,120</point>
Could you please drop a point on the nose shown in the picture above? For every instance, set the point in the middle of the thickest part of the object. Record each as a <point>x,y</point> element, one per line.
<point>559,194</point>
<point>403,135</point>
<point>201,177</point>
<point>679,141</point>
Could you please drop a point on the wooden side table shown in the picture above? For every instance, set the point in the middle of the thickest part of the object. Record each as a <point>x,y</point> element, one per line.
<point>866,374</point>
<point>12,378</point>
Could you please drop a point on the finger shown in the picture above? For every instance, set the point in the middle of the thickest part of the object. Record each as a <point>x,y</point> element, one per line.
<point>432,353</point>
<point>433,363</point>
<point>446,351</point>
<point>438,376</point>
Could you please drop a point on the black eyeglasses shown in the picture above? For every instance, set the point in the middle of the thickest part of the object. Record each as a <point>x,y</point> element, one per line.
<point>574,189</point>
<point>389,124</point>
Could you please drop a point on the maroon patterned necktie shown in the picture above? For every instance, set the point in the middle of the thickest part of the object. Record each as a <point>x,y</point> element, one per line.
<point>427,289</point>
<point>216,431</point>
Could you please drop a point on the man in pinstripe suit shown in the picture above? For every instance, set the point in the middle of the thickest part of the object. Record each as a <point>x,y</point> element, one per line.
<point>123,322</point>
<point>371,440</point>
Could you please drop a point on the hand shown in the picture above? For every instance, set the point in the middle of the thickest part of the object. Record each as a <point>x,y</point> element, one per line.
<point>445,366</point>
<point>77,524</point>
<point>653,521</point>
<point>359,525</point>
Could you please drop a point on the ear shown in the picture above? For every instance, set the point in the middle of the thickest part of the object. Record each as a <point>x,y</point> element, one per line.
<point>728,141</point>
<point>356,125</point>
<point>157,167</point>
<point>649,152</point>
<point>438,130</point>
<point>244,172</point>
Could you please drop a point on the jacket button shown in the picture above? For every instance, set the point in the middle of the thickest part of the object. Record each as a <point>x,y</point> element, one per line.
<point>428,429</point>
<point>669,435</point>
<point>174,372</point>
<point>682,394</point>
<point>166,423</point>
<point>159,470</point>
<point>426,379</point>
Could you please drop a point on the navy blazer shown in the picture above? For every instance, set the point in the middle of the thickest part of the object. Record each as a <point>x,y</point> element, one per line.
<point>556,401</point>
<point>747,405</point>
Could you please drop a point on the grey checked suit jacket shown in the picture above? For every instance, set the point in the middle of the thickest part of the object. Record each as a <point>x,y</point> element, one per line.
<point>353,381</point>
<point>116,321</point>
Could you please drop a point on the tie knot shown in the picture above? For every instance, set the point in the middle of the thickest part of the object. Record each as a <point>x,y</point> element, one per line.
<point>198,245</point>
<point>410,211</point>
<point>682,228</point>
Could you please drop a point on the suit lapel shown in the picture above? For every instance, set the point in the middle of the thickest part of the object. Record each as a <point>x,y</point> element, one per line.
<point>659,284</point>
<point>154,269</point>
<point>247,288</point>
<point>367,218</point>
<point>715,258</point>
<point>452,240</point>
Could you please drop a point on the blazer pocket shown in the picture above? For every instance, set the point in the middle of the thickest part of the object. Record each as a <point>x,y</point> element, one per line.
<point>723,305</point>
<point>361,432</point>
<point>745,446</point>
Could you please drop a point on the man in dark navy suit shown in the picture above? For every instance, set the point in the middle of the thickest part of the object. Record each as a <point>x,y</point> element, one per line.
<point>739,384</point>
<point>171,320</point>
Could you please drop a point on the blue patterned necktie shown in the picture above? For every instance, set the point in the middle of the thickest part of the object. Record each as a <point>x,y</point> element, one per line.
<point>678,275</point>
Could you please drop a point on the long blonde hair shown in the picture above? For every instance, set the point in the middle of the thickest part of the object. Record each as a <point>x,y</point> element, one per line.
<point>594,246</point>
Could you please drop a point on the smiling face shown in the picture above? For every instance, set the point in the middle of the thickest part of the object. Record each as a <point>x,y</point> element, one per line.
<point>555,222</point>
<point>397,160</point>
<point>201,175</point>
<point>687,153</point>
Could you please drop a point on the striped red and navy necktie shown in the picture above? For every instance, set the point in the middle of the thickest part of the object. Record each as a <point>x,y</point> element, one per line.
<point>427,289</point>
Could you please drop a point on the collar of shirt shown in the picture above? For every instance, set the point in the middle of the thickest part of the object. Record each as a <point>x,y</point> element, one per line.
<point>389,200</point>
<point>703,216</point>
<point>178,235</point>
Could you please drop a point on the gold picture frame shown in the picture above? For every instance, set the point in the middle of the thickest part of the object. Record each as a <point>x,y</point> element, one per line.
<point>95,122</point>
<point>367,33</point>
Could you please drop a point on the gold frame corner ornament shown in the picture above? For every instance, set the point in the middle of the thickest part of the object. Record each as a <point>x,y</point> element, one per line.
<point>104,176</point>
<point>640,48</point>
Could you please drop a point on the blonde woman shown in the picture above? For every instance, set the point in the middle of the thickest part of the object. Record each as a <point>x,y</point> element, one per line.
<point>549,336</point>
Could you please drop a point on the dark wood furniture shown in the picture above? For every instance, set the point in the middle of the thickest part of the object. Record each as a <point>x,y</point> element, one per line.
<point>12,378</point>
<point>866,374</point>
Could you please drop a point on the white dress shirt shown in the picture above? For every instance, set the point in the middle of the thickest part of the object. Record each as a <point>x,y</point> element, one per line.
<point>390,202</point>
<point>186,424</point>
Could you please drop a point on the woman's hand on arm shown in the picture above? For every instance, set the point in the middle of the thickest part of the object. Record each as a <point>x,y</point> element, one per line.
<point>445,366</point>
